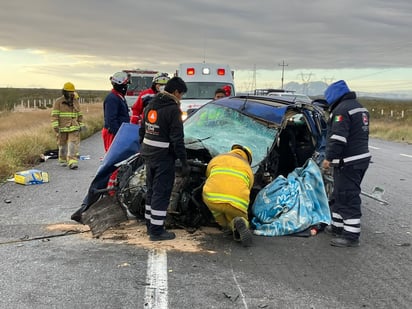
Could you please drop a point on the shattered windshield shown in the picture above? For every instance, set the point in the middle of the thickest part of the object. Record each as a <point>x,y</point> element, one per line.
<point>217,128</point>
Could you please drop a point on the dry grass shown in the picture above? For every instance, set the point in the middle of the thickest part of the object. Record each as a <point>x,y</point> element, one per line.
<point>391,131</point>
<point>26,135</point>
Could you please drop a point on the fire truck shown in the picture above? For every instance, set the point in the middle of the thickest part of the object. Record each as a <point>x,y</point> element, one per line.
<point>202,80</point>
<point>140,80</point>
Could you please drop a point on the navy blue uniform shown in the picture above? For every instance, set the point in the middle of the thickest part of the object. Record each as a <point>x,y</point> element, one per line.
<point>162,142</point>
<point>347,150</point>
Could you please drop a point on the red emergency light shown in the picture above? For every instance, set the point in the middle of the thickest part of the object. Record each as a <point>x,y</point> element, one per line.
<point>190,71</point>
<point>221,71</point>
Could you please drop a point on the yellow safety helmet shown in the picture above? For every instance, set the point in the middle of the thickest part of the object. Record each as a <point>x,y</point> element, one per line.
<point>245,149</point>
<point>68,87</point>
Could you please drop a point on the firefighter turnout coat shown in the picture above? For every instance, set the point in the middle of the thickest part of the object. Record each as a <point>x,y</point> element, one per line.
<point>65,117</point>
<point>229,181</point>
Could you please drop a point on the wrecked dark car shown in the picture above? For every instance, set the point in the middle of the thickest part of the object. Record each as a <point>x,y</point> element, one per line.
<point>282,134</point>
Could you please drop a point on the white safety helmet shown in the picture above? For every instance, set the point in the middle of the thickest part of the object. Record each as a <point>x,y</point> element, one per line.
<point>120,78</point>
<point>161,78</point>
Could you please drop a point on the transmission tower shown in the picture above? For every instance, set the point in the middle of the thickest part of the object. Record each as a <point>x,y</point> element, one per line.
<point>328,80</point>
<point>305,79</point>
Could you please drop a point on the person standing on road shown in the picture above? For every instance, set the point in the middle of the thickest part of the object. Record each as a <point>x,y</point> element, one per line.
<point>348,154</point>
<point>162,142</point>
<point>116,111</point>
<point>67,121</point>
<point>227,191</point>
<point>158,84</point>
<point>115,108</point>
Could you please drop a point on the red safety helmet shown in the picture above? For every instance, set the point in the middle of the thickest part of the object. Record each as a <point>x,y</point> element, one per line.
<point>228,90</point>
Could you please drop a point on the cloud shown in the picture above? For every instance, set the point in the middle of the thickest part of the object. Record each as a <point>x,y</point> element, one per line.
<point>307,35</point>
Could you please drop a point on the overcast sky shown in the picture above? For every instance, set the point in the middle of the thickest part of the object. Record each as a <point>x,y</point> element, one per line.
<point>44,43</point>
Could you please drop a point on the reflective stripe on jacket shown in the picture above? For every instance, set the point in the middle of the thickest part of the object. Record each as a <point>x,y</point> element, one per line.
<point>229,180</point>
<point>162,133</point>
<point>348,132</point>
<point>67,118</point>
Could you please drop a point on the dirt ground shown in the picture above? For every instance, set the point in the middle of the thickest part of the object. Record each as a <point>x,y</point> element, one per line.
<point>133,232</point>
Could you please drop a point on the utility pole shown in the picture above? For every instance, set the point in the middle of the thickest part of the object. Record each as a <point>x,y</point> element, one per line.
<point>254,78</point>
<point>283,65</point>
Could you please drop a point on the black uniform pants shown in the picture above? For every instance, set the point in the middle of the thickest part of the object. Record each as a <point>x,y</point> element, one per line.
<point>346,206</point>
<point>160,176</point>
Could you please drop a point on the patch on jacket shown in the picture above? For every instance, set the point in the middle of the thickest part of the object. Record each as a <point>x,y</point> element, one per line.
<point>152,116</point>
<point>338,118</point>
<point>365,119</point>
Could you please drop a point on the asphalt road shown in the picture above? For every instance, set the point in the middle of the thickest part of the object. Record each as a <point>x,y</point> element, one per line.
<point>58,270</point>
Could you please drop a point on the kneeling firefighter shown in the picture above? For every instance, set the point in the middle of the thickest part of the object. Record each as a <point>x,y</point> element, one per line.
<point>227,191</point>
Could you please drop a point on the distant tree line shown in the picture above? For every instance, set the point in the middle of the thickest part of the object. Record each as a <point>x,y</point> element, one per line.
<point>12,97</point>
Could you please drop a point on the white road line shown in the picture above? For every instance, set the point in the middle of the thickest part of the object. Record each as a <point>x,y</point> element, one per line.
<point>156,291</point>
<point>373,147</point>
<point>242,296</point>
<point>405,155</point>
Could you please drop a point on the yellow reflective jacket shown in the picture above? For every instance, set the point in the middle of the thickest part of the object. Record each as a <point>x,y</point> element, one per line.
<point>229,180</point>
<point>65,117</point>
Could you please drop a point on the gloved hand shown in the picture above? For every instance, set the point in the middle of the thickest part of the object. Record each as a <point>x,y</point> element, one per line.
<point>185,169</point>
<point>326,164</point>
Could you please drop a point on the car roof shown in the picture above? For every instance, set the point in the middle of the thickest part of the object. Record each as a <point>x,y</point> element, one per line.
<point>297,96</point>
<point>270,109</point>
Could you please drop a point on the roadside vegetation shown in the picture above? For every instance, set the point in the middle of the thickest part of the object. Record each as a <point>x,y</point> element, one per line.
<point>26,133</point>
<point>391,120</point>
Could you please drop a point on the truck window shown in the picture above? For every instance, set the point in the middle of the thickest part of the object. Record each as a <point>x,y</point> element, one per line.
<point>139,83</point>
<point>202,90</point>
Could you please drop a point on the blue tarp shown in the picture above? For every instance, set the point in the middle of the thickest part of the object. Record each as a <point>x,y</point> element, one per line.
<point>124,145</point>
<point>291,205</point>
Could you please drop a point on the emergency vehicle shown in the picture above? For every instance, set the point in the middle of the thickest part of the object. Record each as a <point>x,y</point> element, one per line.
<point>202,80</point>
<point>139,80</point>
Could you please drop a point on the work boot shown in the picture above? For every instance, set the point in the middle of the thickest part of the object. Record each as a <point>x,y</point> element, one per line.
<point>77,216</point>
<point>73,166</point>
<point>344,242</point>
<point>241,229</point>
<point>333,231</point>
<point>164,236</point>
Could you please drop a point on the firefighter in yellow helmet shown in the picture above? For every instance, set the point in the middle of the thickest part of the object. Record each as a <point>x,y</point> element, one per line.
<point>67,120</point>
<point>227,191</point>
